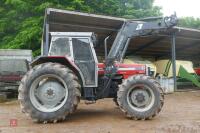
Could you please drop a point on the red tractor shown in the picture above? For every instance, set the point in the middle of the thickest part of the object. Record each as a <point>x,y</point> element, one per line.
<point>52,89</point>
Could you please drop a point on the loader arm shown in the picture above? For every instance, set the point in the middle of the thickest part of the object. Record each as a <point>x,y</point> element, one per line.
<point>131,29</point>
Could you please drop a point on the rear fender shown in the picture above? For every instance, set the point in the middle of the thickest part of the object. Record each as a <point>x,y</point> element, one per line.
<point>62,60</point>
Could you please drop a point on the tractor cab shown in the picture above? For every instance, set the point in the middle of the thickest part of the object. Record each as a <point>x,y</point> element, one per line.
<point>78,47</point>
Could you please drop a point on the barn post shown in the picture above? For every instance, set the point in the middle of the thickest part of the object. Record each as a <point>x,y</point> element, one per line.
<point>173,51</point>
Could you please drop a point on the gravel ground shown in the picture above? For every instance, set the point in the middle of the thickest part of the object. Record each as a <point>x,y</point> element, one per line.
<point>180,114</point>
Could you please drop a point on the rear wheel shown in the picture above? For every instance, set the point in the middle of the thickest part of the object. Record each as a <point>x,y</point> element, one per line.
<point>49,92</point>
<point>140,97</point>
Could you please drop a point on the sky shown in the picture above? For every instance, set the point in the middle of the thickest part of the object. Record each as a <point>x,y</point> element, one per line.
<point>183,8</point>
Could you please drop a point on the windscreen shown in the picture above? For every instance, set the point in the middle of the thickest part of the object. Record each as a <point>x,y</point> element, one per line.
<point>60,47</point>
<point>82,50</point>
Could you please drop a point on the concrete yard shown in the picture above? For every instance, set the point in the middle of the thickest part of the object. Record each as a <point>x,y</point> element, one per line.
<point>180,114</point>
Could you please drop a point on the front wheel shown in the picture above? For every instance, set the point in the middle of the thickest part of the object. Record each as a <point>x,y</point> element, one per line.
<point>49,92</point>
<point>140,97</point>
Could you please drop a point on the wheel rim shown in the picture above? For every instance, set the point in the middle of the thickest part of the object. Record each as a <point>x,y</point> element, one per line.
<point>48,93</point>
<point>140,98</point>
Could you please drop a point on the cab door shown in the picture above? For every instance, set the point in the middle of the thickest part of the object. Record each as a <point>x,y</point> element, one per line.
<point>85,58</point>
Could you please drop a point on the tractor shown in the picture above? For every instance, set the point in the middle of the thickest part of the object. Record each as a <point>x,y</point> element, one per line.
<point>52,89</point>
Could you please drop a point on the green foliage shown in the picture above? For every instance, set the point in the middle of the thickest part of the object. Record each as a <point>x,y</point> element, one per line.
<point>190,22</point>
<point>21,21</point>
<point>140,9</point>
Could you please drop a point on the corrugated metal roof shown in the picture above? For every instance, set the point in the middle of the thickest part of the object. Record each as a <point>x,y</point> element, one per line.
<point>187,40</point>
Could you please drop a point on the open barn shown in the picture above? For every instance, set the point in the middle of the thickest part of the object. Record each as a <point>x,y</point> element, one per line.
<point>178,44</point>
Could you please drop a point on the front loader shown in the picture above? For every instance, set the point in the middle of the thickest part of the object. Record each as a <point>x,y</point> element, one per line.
<point>52,89</point>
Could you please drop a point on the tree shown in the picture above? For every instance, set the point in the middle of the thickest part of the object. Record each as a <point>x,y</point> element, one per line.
<point>190,22</point>
<point>140,9</point>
